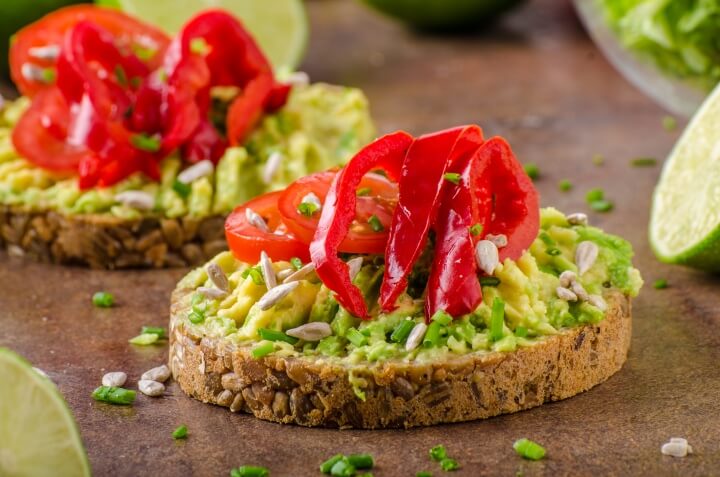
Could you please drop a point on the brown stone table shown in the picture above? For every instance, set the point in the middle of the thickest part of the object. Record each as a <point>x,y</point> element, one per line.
<point>537,80</point>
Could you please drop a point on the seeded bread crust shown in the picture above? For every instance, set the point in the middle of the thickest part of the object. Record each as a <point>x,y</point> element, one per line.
<point>312,391</point>
<point>107,241</point>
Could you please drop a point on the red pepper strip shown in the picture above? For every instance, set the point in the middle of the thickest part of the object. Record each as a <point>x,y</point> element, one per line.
<point>421,184</point>
<point>248,108</point>
<point>338,212</point>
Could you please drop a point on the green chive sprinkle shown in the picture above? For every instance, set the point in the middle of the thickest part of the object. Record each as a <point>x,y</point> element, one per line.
<point>601,205</point>
<point>103,299</point>
<point>565,185</point>
<point>263,349</point>
<point>162,75</point>
<point>449,465</point>
<point>497,319</point>
<point>521,332</point>
<point>453,177</point>
<point>594,194</point>
<point>307,208</point>
<point>199,46</point>
<point>255,274</point>
<point>476,230</point>
<point>181,432</point>
<point>326,466</point>
<point>547,239</point>
<point>48,75</point>
<point>669,123</point>
<point>356,337</point>
<point>182,189</point>
<point>120,76</point>
<point>361,461</point>
<point>145,142</point>
<point>423,473</point>
<point>660,284</point>
<point>432,335</point>
<point>136,82</point>
<point>489,281</point>
<point>598,159</point>
<point>144,339</point>
<point>273,335</point>
<point>249,471</point>
<point>113,395</point>
<point>643,162</point>
<point>154,330</point>
<point>296,263</point>
<point>375,223</point>
<point>142,52</point>
<point>553,252</point>
<point>438,453</point>
<point>441,317</point>
<point>363,191</point>
<point>532,171</point>
<point>402,331</point>
<point>529,449</point>
<point>342,468</point>
<point>196,318</point>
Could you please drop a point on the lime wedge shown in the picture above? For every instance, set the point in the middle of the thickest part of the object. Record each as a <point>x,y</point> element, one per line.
<point>279,26</point>
<point>685,218</point>
<point>38,435</point>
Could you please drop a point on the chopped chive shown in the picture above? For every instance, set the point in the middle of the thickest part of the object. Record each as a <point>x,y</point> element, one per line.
<point>307,208</point>
<point>199,46</point>
<point>532,170</point>
<point>363,191</point>
<point>356,337</point>
<point>195,317</point>
<point>521,332</point>
<point>182,189</point>
<point>48,75</point>
<point>249,471</point>
<point>181,432</point>
<point>441,317</point>
<point>142,52</point>
<point>162,75</point>
<point>547,239</point>
<point>449,464</point>
<point>669,123</point>
<point>476,230</point>
<point>438,453</point>
<point>660,284</point>
<point>255,274</point>
<point>497,319</point>
<point>144,339</point>
<point>375,223</point>
<point>153,330</point>
<point>432,335</point>
<point>114,395</point>
<point>120,76</point>
<point>103,299</point>
<point>598,159</point>
<point>594,195</point>
<point>423,473</point>
<point>453,177</point>
<point>145,142</point>
<point>361,461</point>
<point>402,331</point>
<point>326,466</point>
<point>489,281</point>
<point>296,263</point>
<point>553,252</point>
<point>342,468</point>
<point>565,185</point>
<point>136,82</point>
<point>529,449</point>
<point>273,335</point>
<point>643,162</point>
<point>601,205</point>
<point>263,349</point>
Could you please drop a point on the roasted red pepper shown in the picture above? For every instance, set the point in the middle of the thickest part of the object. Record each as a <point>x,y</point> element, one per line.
<point>385,153</point>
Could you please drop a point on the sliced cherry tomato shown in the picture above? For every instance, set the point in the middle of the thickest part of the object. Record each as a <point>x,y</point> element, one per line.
<point>129,34</point>
<point>377,197</point>
<point>247,241</point>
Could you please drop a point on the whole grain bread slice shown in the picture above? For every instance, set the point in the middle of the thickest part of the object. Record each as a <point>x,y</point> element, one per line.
<point>312,391</point>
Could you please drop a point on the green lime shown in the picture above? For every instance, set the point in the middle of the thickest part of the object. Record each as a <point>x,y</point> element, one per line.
<point>38,435</point>
<point>444,15</point>
<point>685,218</point>
<point>279,26</point>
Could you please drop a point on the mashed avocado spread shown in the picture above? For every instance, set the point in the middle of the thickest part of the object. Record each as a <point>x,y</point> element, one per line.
<point>527,286</point>
<point>321,126</point>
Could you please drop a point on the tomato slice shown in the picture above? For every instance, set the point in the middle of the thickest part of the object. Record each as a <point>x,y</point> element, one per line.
<point>247,241</point>
<point>49,31</point>
<point>377,197</point>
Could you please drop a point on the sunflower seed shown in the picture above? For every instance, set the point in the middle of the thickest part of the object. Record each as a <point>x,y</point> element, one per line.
<point>314,331</point>
<point>311,198</point>
<point>48,52</point>
<point>136,199</point>
<point>159,374</point>
<point>577,218</point>
<point>598,302</point>
<point>585,256</point>
<point>567,278</point>
<point>196,171</point>
<point>565,294</point>
<point>415,337</point>
<point>298,78</point>
<point>268,271</point>
<point>677,447</point>
<point>579,290</point>
<point>255,220</point>
<point>354,266</point>
<point>270,298</point>
<point>486,255</point>
<point>304,271</point>
<point>283,274</point>
<point>500,240</point>
<point>217,276</point>
<point>212,293</point>
<point>33,72</point>
<point>114,379</point>
<point>271,167</point>
<point>151,388</point>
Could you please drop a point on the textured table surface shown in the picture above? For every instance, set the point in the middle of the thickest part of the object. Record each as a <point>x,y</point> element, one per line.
<point>538,81</point>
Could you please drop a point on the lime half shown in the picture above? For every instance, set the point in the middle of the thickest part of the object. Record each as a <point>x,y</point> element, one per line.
<point>685,218</point>
<point>279,26</point>
<point>38,435</point>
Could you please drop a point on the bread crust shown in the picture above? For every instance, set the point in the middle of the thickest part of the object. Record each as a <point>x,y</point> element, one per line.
<point>107,241</point>
<point>312,391</point>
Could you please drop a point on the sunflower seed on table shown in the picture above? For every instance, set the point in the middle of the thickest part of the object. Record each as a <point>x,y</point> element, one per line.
<point>271,297</point>
<point>268,271</point>
<point>577,218</point>
<point>311,198</point>
<point>255,220</point>
<point>159,374</point>
<point>136,199</point>
<point>598,302</point>
<point>585,256</point>
<point>151,388</point>
<point>304,271</point>
<point>47,52</point>
<point>579,290</point>
<point>565,294</point>
<point>500,240</point>
<point>271,167</point>
<point>415,337</point>
<point>567,278</point>
<point>298,78</point>
<point>212,293</point>
<point>114,379</point>
<point>487,257</point>
<point>196,171</point>
<point>217,276</point>
<point>314,331</point>
<point>677,447</point>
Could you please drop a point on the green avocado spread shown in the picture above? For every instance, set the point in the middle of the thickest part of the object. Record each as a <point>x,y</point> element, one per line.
<point>528,287</point>
<point>321,126</point>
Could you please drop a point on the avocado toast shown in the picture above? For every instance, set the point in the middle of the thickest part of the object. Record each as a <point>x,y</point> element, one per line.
<point>472,301</point>
<point>155,195</point>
